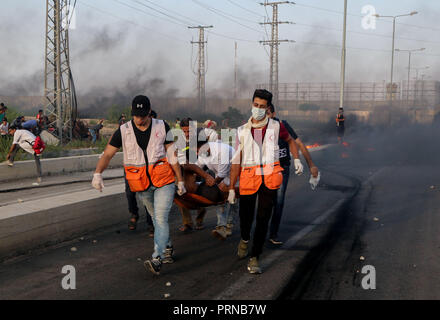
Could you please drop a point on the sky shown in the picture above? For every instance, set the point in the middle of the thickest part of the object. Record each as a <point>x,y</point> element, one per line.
<point>118,45</point>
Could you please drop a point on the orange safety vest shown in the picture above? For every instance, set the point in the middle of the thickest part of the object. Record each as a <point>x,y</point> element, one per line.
<point>260,164</point>
<point>160,172</point>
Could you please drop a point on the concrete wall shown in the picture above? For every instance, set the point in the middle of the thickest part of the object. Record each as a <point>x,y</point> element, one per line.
<point>55,166</point>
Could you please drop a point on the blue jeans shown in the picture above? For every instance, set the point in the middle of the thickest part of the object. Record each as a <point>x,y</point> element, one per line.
<point>226,214</point>
<point>158,202</point>
<point>93,134</point>
<point>279,204</point>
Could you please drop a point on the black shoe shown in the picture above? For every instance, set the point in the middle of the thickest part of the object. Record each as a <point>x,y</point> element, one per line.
<point>153,265</point>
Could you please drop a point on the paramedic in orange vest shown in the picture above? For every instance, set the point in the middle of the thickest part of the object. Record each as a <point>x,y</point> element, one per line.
<point>256,162</point>
<point>150,167</point>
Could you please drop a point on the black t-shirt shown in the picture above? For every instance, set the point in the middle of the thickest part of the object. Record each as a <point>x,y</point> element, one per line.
<point>284,146</point>
<point>341,120</point>
<point>142,137</point>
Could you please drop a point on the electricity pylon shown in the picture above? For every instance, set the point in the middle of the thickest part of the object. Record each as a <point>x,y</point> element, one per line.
<point>59,89</point>
<point>201,70</point>
<point>274,45</point>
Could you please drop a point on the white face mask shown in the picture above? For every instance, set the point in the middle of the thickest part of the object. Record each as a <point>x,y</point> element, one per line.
<point>258,113</point>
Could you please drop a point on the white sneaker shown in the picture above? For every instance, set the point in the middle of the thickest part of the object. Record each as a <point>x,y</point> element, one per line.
<point>9,163</point>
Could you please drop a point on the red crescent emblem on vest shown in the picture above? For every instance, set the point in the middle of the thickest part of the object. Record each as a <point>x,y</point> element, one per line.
<point>157,134</point>
<point>271,137</point>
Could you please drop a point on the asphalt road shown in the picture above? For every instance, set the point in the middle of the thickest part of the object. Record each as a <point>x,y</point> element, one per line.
<point>391,225</point>
<point>109,265</point>
<point>378,205</point>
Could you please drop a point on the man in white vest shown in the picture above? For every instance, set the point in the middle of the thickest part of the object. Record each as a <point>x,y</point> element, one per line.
<point>256,162</point>
<point>151,166</point>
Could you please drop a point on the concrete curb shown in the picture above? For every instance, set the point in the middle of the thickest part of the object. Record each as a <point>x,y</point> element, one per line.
<point>55,166</point>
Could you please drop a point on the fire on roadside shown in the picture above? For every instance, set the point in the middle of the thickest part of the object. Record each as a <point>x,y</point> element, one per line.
<point>315,145</point>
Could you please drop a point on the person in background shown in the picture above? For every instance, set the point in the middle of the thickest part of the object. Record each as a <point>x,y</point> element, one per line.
<point>177,126</point>
<point>4,127</point>
<point>23,139</point>
<point>183,155</point>
<point>210,132</point>
<point>18,121</point>
<point>122,119</point>
<point>32,126</point>
<point>340,125</point>
<point>153,114</point>
<point>40,115</point>
<point>94,130</point>
<point>3,110</point>
<point>285,161</point>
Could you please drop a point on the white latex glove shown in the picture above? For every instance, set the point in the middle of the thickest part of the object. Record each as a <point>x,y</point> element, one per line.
<point>181,188</point>
<point>314,181</point>
<point>299,168</point>
<point>231,196</point>
<point>98,182</point>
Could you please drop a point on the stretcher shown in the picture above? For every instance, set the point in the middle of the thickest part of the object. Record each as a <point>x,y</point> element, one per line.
<point>192,201</point>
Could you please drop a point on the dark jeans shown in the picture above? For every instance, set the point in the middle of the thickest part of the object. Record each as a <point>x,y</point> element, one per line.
<point>266,201</point>
<point>132,203</point>
<point>279,204</point>
<point>36,157</point>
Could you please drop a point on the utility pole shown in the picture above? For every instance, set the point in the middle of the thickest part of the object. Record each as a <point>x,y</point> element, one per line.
<point>58,82</point>
<point>409,69</point>
<point>343,55</point>
<point>201,70</point>
<point>235,73</point>
<point>274,46</point>
<point>392,47</point>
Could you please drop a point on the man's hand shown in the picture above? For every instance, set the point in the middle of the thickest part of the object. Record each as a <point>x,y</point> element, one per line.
<point>231,197</point>
<point>314,181</point>
<point>181,188</point>
<point>299,168</point>
<point>223,187</point>
<point>314,171</point>
<point>98,182</point>
<point>210,181</point>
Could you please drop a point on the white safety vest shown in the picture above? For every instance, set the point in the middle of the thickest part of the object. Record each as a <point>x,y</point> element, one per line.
<point>133,154</point>
<point>251,152</point>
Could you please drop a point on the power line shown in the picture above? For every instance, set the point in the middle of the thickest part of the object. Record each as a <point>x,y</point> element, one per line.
<point>250,11</point>
<point>359,15</point>
<point>130,22</point>
<point>174,12</point>
<point>218,12</point>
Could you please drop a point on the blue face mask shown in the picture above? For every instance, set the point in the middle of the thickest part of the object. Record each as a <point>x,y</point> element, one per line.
<point>258,113</point>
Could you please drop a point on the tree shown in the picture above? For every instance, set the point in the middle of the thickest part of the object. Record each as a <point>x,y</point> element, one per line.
<point>234,117</point>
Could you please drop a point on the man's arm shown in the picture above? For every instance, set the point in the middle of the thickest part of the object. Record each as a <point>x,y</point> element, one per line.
<point>10,151</point>
<point>172,159</point>
<point>292,147</point>
<point>308,157</point>
<point>104,161</point>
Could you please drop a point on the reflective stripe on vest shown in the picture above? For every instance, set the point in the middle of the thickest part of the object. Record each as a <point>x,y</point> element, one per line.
<point>159,171</point>
<point>257,166</point>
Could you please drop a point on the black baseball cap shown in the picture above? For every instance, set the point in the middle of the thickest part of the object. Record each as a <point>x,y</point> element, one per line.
<point>140,106</point>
